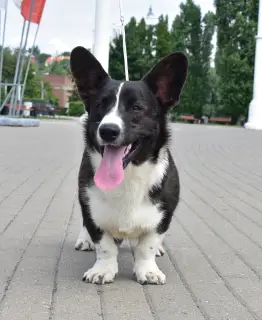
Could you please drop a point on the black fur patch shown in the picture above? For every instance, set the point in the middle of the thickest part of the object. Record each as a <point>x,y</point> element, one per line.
<point>85,179</point>
<point>166,195</point>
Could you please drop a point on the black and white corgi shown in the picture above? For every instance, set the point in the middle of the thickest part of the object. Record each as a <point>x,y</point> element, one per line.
<point>128,182</point>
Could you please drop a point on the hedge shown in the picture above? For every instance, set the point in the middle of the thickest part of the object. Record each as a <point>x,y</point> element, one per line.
<point>76,109</point>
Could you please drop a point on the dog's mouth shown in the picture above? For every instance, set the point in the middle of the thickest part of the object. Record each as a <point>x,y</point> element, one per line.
<point>129,151</point>
<point>115,159</point>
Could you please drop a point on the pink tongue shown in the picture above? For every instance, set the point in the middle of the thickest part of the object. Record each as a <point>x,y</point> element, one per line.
<point>110,172</point>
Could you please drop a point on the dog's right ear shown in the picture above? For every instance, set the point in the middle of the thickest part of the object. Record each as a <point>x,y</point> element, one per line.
<point>88,74</point>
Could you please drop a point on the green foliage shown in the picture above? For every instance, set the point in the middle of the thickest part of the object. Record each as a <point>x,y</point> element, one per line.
<point>192,34</point>
<point>65,53</point>
<point>40,57</point>
<point>74,96</point>
<point>139,39</point>
<point>162,39</point>
<point>60,67</point>
<point>223,89</point>
<point>33,86</point>
<point>34,80</point>
<point>236,30</point>
<point>49,94</point>
<point>76,109</point>
<point>60,111</point>
<point>8,65</point>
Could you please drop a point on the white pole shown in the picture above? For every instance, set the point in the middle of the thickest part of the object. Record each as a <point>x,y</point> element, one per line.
<point>2,47</point>
<point>20,74</point>
<point>27,70</point>
<point>255,107</point>
<point>17,70</point>
<point>102,32</point>
<point>124,40</point>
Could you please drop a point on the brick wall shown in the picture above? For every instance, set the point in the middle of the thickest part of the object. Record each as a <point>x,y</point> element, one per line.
<point>62,87</point>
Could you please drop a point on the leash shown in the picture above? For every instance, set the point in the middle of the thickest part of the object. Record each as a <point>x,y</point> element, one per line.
<point>124,39</point>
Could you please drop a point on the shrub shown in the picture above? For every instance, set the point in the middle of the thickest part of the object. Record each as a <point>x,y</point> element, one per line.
<point>76,109</point>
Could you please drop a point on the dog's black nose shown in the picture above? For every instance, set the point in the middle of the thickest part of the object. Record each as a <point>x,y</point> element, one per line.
<point>109,132</point>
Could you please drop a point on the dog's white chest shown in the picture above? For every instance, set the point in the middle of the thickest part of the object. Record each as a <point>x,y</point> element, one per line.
<point>127,210</point>
<point>123,216</point>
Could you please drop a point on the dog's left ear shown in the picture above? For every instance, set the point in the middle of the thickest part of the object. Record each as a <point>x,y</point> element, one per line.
<point>167,78</point>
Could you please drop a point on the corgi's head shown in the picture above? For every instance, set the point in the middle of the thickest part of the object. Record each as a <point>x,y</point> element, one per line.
<point>126,120</point>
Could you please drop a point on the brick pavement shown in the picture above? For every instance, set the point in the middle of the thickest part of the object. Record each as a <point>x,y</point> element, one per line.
<point>214,248</point>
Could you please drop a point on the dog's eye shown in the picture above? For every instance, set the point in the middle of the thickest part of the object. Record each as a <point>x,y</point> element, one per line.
<point>136,107</point>
<point>98,106</point>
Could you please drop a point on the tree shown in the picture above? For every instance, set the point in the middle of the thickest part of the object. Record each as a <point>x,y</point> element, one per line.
<point>74,96</point>
<point>192,34</point>
<point>41,59</point>
<point>236,28</point>
<point>34,86</point>
<point>139,51</point>
<point>65,53</point>
<point>162,41</point>
<point>60,67</point>
<point>8,65</point>
<point>208,29</point>
<point>212,106</point>
<point>36,51</point>
<point>76,109</point>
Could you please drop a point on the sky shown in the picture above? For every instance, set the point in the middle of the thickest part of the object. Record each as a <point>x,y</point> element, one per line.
<point>66,24</point>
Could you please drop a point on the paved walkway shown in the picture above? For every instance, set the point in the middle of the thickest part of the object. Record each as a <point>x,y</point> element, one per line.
<point>214,248</point>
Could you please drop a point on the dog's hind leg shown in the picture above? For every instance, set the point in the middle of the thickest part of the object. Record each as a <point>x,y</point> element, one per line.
<point>84,242</point>
<point>160,251</point>
<point>118,242</point>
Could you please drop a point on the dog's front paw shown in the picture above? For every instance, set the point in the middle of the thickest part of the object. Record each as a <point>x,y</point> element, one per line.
<point>147,272</point>
<point>101,273</point>
<point>84,242</point>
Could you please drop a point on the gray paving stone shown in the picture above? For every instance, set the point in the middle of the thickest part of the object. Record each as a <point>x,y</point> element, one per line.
<point>245,248</point>
<point>214,247</point>
<point>210,293</point>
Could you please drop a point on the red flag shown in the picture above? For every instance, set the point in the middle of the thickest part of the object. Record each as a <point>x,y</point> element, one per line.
<point>38,7</point>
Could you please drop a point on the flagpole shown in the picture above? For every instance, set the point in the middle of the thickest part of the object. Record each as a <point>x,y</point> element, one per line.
<point>16,70</point>
<point>23,59</point>
<point>2,49</point>
<point>102,32</point>
<point>27,70</point>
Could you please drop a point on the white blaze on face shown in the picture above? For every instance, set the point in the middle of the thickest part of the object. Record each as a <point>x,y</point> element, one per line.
<point>113,116</point>
<point>110,172</point>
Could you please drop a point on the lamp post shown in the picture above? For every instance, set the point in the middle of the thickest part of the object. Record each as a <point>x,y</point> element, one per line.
<point>255,107</point>
<point>150,17</point>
